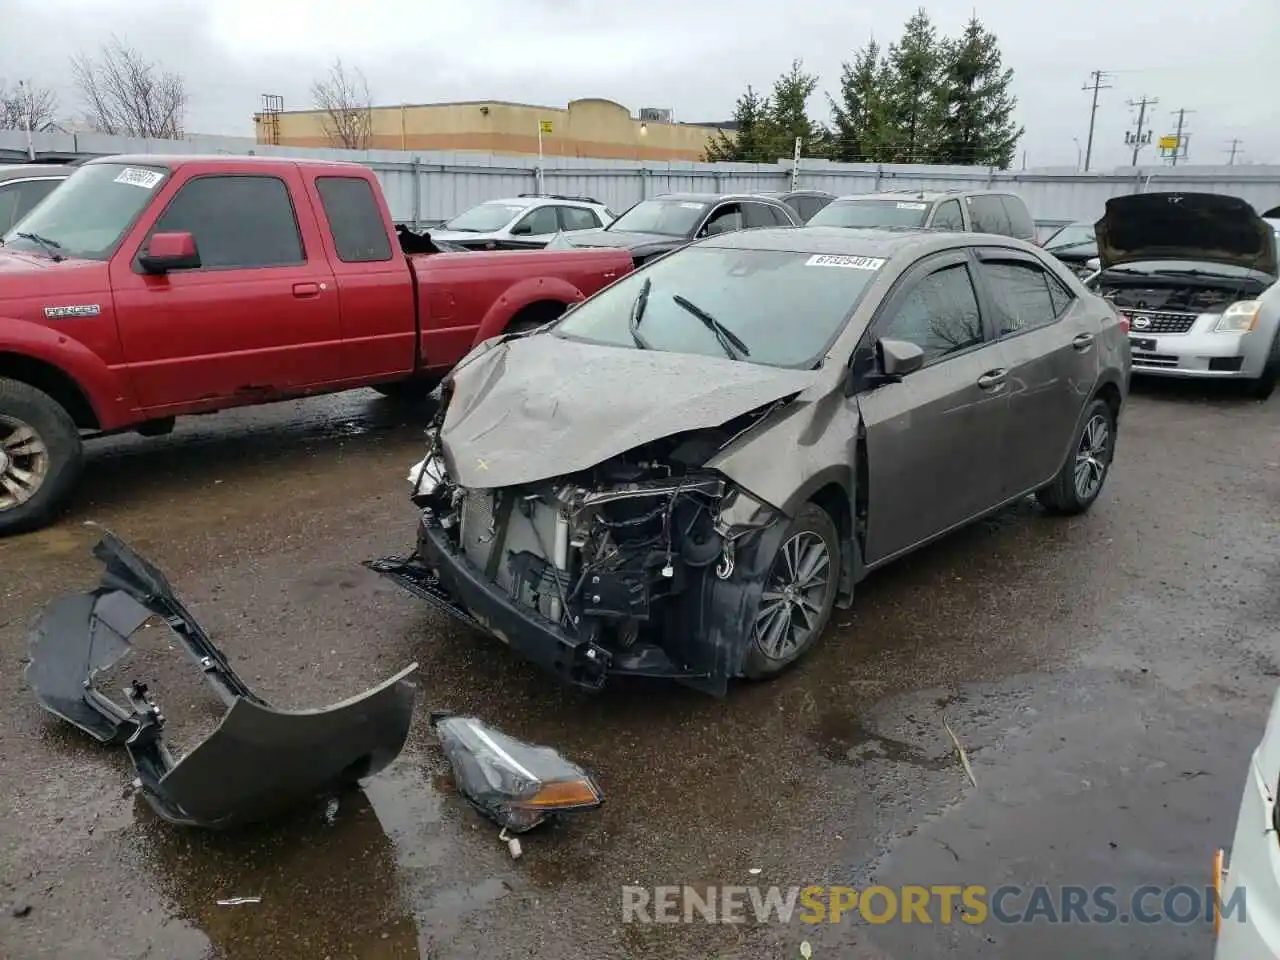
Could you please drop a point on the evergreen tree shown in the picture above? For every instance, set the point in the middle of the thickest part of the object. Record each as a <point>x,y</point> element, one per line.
<point>789,114</point>
<point>977,126</point>
<point>858,131</point>
<point>751,140</point>
<point>914,113</point>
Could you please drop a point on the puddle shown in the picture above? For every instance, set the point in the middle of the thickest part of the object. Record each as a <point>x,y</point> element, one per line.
<point>845,740</point>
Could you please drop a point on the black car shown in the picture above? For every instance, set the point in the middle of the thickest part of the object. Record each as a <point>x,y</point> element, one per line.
<point>1075,245</point>
<point>804,202</point>
<point>654,227</point>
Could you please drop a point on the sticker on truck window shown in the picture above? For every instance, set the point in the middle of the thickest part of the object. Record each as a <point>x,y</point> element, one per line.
<point>137,177</point>
<point>852,263</point>
<point>692,206</point>
<point>912,206</point>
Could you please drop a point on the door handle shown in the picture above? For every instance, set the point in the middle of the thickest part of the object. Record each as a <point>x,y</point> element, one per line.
<point>307,289</point>
<point>992,379</point>
<point>1083,342</point>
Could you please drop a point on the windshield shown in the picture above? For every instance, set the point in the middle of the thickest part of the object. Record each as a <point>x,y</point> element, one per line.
<point>1077,237</point>
<point>752,295</point>
<point>89,213</point>
<point>671,218</point>
<point>485,218</point>
<point>871,213</point>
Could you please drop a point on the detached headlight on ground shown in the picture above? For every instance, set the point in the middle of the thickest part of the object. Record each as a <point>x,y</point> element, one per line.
<point>515,784</point>
<point>1239,317</point>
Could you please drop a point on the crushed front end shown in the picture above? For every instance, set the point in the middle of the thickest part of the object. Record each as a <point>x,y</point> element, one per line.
<point>647,564</point>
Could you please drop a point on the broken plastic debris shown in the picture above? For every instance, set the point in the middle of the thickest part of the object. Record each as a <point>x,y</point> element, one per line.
<point>517,785</point>
<point>238,901</point>
<point>513,844</point>
<point>754,871</point>
<point>806,951</point>
<point>258,762</point>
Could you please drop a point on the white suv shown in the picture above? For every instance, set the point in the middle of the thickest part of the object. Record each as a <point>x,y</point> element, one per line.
<point>526,222</point>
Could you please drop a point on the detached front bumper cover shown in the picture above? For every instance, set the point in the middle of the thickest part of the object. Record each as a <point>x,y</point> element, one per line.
<point>258,762</point>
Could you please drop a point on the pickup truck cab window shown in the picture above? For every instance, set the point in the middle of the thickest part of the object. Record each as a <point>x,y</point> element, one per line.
<point>89,215</point>
<point>237,221</point>
<point>355,222</point>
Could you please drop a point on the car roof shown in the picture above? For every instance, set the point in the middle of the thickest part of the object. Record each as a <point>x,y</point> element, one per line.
<point>23,171</point>
<point>838,241</point>
<point>712,197</point>
<point>925,196</point>
<point>784,194</point>
<point>174,161</point>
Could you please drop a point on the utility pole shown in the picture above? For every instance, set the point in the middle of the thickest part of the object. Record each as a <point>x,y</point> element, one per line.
<point>1235,148</point>
<point>1098,76</point>
<point>27,98</point>
<point>1180,145</point>
<point>1137,139</point>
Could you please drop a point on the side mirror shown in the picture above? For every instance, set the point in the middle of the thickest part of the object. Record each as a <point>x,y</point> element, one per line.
<point>897,358</point>
<point>170,251</point>
<point>522,230</point>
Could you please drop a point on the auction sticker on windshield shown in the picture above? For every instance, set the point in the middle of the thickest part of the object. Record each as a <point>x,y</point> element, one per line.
<point>853,263</point>
<point>146,179</point>
<point>912,206</point>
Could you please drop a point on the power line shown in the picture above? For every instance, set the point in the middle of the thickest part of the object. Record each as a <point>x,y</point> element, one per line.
<point>1235,148</point>
<point>1098,76</point>
<point>1139,139</point>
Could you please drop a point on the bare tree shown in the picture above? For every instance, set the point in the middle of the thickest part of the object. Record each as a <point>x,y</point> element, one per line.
<point>128,95</point>
<point>343,99</point>
<point>23,104</point>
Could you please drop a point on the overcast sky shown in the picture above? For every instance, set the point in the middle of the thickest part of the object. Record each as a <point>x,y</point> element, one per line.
<point>695,56</point>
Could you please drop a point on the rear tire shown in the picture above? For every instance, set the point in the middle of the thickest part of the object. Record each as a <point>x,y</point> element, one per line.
<point>798,595</point>
<point>41,457</point>
<point>1082,477</point>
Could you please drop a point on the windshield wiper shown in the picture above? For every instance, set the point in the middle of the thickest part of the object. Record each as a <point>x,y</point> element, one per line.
<point>51,247</point>
<point>729,341</point>
<point>637,313</point>
<point>1071,246</point>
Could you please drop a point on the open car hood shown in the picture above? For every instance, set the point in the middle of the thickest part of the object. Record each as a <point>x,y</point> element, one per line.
<point>259,761</point>
<point>540,406</point>
<point>1211,227</point>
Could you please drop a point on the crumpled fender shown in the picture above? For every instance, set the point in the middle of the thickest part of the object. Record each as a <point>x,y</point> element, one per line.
<point>258,762</point>
<point>106,391</point>
<point>519,295</point>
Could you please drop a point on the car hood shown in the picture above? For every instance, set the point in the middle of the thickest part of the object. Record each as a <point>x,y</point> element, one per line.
<point>620,238</point>
<point>540,406</point>
<point>1185,226</point>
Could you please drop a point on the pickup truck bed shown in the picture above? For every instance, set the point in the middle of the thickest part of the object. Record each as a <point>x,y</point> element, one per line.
<point>147,288</point>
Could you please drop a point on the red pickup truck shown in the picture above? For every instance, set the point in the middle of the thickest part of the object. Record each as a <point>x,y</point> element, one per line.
<point>147,288</point>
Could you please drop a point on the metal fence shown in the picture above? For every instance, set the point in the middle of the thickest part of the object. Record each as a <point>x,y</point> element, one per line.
<point>425,188</point>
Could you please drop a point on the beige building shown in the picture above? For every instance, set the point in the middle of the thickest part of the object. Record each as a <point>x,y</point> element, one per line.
<point>585,128</point>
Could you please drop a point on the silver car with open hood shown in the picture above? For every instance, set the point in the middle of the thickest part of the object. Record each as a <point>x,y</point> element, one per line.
<point>1195,276</point>
<point>686,473</point>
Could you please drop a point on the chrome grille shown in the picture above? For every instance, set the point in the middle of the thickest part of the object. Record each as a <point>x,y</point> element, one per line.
<point>1160,321</point>
<point>1153,360</point>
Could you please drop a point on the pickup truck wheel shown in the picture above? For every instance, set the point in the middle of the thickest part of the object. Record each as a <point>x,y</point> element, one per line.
<point>798,596</point>
<point>41,457</point>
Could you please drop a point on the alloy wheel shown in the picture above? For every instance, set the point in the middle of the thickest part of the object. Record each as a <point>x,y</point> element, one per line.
<point>793,598</point>
<point>24,462</point>
<point>1092,457</point>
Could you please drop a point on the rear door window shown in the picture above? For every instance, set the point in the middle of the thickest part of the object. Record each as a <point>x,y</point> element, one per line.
<point>1021,295</point>
<point>763,215</point>
<point>1020,223</point>
<point>577,218</point>
<point>355,221</point>
<point>948,216</point>
<point>988,214</point>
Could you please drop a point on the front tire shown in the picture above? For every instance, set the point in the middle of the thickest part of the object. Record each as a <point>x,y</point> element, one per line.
<point>1081,478</point>
<point>41,457</point>
<point>1262,387</point>
<point>798,595</point>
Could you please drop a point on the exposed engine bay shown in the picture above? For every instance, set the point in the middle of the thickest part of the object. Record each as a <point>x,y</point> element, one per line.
<point>1182,294</point>
<point>623,558</point>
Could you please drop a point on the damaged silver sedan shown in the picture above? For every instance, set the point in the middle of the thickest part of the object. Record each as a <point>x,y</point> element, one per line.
<point>682,476</point>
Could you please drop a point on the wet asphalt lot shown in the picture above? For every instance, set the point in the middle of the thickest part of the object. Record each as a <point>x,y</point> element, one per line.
<point>1108,676</point>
